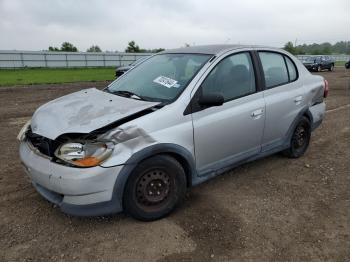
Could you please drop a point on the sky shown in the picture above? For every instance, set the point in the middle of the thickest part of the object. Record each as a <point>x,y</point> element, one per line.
<point>111,24</point>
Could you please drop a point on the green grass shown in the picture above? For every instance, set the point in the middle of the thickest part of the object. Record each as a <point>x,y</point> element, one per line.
<point>33,76</point>
<point>340,63</point>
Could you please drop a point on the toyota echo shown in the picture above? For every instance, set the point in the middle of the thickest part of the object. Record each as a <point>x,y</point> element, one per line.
<point>171,122</point>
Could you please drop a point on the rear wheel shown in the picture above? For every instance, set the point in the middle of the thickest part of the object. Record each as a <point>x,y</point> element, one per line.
<point>155,188</point>
<point>331,68</point>
<point>300,139</point>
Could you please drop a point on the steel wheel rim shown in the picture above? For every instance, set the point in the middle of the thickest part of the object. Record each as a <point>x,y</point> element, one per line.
<point>153,188</point>
<point>300,137</point>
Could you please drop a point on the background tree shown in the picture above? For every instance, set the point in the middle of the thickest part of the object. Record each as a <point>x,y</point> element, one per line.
<point>132,47</point>
<point>68,47</point>
<point>290,48</point>
<point>342,47</point>
<point>157,50</point>
<point>94,48</point>
<point>327,49</point>
<point>51,48</point>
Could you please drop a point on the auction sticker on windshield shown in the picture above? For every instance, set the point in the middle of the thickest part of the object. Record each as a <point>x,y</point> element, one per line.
<point>165,81</point>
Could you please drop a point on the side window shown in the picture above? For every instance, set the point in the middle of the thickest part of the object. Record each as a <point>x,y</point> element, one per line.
<point>233,77</point>
<point>291,69</point>
<point>274,67</point>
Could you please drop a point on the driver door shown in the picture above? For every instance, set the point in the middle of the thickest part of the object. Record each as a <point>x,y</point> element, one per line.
<point>233,131</point>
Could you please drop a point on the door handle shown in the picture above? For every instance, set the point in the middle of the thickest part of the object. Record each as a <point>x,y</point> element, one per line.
<point>257,113</point>
<point>298,99</point>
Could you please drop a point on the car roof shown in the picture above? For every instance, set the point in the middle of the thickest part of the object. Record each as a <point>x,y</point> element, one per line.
<point>209,49</point>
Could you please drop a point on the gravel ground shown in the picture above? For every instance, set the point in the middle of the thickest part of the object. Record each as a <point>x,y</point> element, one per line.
<point>273,209</point>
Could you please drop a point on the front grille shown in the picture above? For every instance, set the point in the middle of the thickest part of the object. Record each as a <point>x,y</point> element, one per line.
<point>45,145</point>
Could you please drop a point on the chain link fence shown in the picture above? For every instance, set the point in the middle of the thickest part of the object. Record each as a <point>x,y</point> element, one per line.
<point>23,59</point>
<point>340,58</point>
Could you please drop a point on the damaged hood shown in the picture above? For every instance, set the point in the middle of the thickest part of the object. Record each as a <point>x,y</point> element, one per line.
<point>84,112</point>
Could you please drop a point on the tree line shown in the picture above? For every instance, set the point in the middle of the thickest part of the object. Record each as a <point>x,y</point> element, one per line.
<point>342,47</point>
<point>131,48</point>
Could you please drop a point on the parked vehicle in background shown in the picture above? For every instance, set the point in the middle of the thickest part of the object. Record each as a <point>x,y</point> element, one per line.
<point>347,65</point>
<point>122,69</point>
<point>174,121</point>
<point>319,63</point>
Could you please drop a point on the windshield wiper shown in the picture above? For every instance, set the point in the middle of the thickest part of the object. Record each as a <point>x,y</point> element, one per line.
<point>128,94</point>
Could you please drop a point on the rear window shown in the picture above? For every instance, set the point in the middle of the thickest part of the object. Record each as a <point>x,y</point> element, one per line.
<point>293,75</point>
<point>275,70</point>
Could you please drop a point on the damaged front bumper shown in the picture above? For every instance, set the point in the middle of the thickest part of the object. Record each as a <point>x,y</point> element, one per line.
<point>78,191</point>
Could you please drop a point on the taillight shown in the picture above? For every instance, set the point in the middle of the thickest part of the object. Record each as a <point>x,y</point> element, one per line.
<point>326,88</point>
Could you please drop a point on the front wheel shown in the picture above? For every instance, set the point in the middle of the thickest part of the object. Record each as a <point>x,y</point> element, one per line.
<point>300,139</point>
<point>155,188</point>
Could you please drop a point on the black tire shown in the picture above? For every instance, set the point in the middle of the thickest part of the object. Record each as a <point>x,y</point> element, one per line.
<point>319,69</point>
<point>300,139</point>
<point>155,187</point>
<point>331,68</point>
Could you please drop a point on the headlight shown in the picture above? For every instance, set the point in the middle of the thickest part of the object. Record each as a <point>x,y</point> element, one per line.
<point>85,154</point>
<point>23,131</point>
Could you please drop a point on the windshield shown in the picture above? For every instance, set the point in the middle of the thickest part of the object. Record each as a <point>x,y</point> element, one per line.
<point>318,59</point>
<point>160,78</point>
<point>138,61</point>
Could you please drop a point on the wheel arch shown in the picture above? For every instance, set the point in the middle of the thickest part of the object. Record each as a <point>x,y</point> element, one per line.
<point>181,154</point>
<point>305,112</point>
<point>308,115</point>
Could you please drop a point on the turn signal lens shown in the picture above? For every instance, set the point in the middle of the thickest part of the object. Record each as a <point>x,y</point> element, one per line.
<point>87,162</point>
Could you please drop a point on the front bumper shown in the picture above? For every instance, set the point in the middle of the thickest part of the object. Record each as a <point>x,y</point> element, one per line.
<point>78,191</point>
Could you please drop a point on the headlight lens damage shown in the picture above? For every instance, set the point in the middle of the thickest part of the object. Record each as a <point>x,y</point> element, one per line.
<point>23,131</point>
<point>86,154</point>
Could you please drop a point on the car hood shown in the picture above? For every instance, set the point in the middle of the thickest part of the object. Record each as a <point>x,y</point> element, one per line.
<point>83,112</point>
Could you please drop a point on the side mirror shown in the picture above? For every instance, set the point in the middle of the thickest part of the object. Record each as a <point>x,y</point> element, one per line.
<point>212,99</point>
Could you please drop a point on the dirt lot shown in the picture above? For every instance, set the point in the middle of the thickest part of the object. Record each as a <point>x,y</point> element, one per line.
<point>274,209</point>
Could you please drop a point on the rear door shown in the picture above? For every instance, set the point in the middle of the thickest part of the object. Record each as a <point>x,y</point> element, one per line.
<point>283,97</point>
<point>231,132</point>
